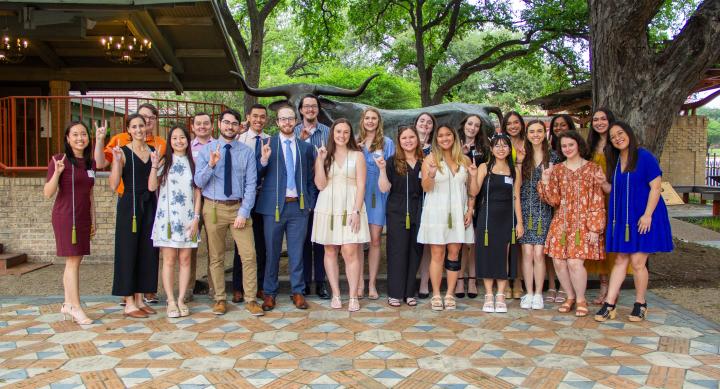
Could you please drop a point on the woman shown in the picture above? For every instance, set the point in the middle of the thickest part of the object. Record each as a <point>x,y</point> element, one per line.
<point>178,216</point>
<point>446,221</point>
<point>73,214</point>
<point>340,221</point>
<point>401,178</point>
<point>638,222</point>
<point>475,146</point>
<point>136,262</point>
<point>513,126</point>
<point>374,145</point>
<point>536,214</point>
<point>558,125</point>
<point>579,222</point>
<point>499,222</point>
<point>425,125</point>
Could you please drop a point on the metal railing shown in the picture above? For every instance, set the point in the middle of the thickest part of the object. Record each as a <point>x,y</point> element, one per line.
<point>32,127</point>
<point>712,169</point>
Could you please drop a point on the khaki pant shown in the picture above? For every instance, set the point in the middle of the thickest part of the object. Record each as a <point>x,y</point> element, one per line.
<point>244,240</point>
<point>193,262</point>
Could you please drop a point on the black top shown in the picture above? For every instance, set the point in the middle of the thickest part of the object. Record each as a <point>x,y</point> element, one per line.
<point>477,156</point>
<point>399,192</point>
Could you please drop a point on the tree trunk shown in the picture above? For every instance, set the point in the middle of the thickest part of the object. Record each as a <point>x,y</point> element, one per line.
<point>642,87</point>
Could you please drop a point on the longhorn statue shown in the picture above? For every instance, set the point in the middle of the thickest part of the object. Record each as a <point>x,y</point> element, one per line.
<point>450,114</point>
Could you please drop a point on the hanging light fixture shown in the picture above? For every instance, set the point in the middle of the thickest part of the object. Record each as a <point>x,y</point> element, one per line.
<point>126,49</point>
<point>12,50</point>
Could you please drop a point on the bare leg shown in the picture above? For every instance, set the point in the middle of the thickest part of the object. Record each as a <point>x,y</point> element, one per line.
<point>373,260</point>
<point>184,274</point>
<point>563,275</point>
<point>71,283</point>
<point>425,270</point>
<point>488,284</point>
<point>640,275</point>
<point>453,253</point>
<point>578,276</point>
<point>528,260</point>
<point>332,269</point>
<point>169,255</point>
<point>460,286</point>
<point>550,273</point>
<point>617,276</point>
<point>351,254</point>
<point>436,267</point>
<point>538,268</point>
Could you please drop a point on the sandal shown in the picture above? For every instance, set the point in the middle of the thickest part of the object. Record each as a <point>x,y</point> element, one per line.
<point>172,311</point>
<point>607,312</point>
<point>449,302</point>
<point>436,303</point>
<point>411,301</point>
<point>473,283</point>
<point>184,310</point>
<point>581,308</point>
<point>489,305</point>
<point>393,302</point>
<point>561,296</point>
<point>335,302</point>
<point>353,305</point>
<point>551,295</point>
<point>500,306</point>
<point>360,293</point>
<point>639,311</point>
<point>517,292</point>
<point>373,294</point>
<point>567,306</point>
<point>603,291</point>
<point>460,283</point>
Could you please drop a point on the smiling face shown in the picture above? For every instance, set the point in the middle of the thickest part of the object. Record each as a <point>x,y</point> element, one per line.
<point>309,108</point>
<point>513,125</point>
<point>370,121</point>
<point>150,119</point>
<point>229,125</point>
<point>286,120</point>
<point>501,149</point>
<point>424,125</point>
<point>408,140</point>
<point>445,138</point>
<point>560,126</point>
<point>78,139</point>
<point>619,138</point>
<point>472,127</point>
<point>600,122</point>
<point>536,133</point>
<point>569,147</point>
<point>341,134</point>
<point>178,141</point>
<point>257,118</point>
<point>202,126</point>
<point>137,129</point>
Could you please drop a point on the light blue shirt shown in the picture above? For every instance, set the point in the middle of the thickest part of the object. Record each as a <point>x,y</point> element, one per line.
<point>318,138</point>
<point>244,174</point>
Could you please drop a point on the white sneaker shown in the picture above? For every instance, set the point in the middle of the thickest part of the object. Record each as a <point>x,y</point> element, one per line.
<point>489,305</point>
<point>537,302</point>
<point>526,302</point>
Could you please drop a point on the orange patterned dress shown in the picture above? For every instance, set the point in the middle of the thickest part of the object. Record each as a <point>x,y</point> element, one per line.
<point>579,209</point>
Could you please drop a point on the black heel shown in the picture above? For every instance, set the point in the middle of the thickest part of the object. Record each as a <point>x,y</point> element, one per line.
<point>460,295</point>
<point>607,312</point>
<point>471,295</point>
<point>639,312</point>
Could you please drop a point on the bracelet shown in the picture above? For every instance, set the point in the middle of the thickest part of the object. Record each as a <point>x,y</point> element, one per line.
<point>196,216</point>
<point>153,167</point>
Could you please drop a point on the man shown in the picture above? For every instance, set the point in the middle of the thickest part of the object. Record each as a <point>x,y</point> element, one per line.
<point>253,138</point>
<point>227,174</point>
<point>316,134</point>
<point>104,156</point>
<point>202,128</point>
<point>285,200</point>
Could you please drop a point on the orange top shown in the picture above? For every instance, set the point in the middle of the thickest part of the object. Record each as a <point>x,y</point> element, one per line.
<point>124,139</point>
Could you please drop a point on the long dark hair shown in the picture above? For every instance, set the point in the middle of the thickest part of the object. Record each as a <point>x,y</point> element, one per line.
<point>169,156</point>
<point>87,152</point>
<point>132,117</point>
<point>491,162</point>
<point>434,126</point>
<point>612,154</point>
<point>553,138</point>
<point>401,165</point>
<point>482,145</point>
<point>593,137</point>
<point>351,145</point>
<point>507,117</point>
<point>529,162</point>
<point>582,145</point>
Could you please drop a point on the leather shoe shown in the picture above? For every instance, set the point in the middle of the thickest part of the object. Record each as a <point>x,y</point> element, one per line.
<point>254,308</point>
<point>148,310</point>
<point>306,291</point>
<point>219,308</point>
<point>268,303</point>
<point>138,314</point>
<point>260,294</point>
<point>321,291</point>
<point>237,297</point>
<point>299,301</point>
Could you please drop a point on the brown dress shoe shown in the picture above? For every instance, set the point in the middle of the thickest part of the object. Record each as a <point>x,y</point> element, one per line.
<point>299,300</point>
<point>260,295</point>
<point>268,303</point>
<point>254,308</point>
<point>237,297</point>
<point>148,310</point>
<point>219,308</point>
<point>138,314</point>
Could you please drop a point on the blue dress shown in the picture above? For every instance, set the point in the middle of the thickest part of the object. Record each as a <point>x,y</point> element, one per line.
<point>376,208</point>
<point>622,212</point>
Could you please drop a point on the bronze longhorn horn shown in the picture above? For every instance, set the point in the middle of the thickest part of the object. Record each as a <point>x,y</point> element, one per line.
<point>264,92</point>
<point>335,91</point>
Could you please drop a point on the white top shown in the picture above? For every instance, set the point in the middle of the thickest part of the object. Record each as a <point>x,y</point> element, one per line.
<point>446,203</point>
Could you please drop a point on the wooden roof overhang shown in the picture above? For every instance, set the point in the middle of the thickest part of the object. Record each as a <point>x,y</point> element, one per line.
<point>191,49</point>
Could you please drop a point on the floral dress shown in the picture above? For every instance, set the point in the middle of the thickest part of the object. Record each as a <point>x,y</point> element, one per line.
<point>177,209</point>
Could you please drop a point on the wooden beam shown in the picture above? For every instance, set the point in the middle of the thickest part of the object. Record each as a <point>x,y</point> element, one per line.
<point>80,52</point>
<point>144,25</point>
<point>176,83</point>
<point>184,21</point>
<point>200,53</point>
<point>571,106</point>
<point>79,74</point>
<point>47,54</point>
<point>49,33</point>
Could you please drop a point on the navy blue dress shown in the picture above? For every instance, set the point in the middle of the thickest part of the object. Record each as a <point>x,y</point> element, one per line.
<point>627,205</point>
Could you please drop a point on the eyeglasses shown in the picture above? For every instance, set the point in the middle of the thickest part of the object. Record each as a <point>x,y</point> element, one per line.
<point>310,106</point>
<point>286,119</point>
<point>617,136</point>
<point>229,123</point>
<point>149,118</point>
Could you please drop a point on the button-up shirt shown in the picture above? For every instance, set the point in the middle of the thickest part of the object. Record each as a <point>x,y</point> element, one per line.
<point>249,138</point>
<point>196,146</point>
<point>293,147</point>
<point>318,136</point>
<point>244,174</point>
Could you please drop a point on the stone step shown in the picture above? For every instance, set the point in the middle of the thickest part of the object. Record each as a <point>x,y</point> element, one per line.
<point>10,260</point>
<point>25,267</point>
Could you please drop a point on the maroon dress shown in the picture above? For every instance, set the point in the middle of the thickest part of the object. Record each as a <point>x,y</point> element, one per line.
<point>62,213</point>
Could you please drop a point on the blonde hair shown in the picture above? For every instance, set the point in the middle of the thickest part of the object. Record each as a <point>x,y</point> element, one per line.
<point>379,140</point>
<point>456,150</point>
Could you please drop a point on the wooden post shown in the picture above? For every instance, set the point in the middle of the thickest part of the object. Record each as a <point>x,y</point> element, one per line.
<point>59,114</point>
<point>716,207</point>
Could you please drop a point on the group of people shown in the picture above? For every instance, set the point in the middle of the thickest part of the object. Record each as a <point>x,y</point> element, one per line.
<point>451,200</point>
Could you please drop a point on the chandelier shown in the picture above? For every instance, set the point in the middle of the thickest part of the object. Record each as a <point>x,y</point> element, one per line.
<point>12,50</point>
<point>126,49</point>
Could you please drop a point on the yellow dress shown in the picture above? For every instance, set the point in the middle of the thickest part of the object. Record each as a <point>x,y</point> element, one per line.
<point>602,267</point>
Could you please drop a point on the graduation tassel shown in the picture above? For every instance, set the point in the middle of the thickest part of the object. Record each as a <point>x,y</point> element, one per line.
<point>577,237</point>
<point>372,201</point>
<point>627,232</point>
<point>134,225</point>
<point>486,238</point>
<point>195,237</point>
<point>74,235</point>
<point>512,237</point>
<point>302,201</point>
<point>407,221</point>
<point>344,219</point>
<point>277,213</point>
<point>169,230</point>
<point>450,220</point>
<point>539,228</point>
<point>563,238</point>
<point>530,221</point>
<point>332,221</point>
<point>214,214</point>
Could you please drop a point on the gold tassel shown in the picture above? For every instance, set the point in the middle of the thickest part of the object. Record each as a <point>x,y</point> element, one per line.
<point>512,237</point>
<point>407,221</point>
<point>214,215</point>
<point>530,221</point>
<point>577,237</point>
<point>539,228</point>
<point>134,225</point>
<point>74,235</point>
<point>486,238</point>
<point>195,237</point>
<point>332,221</point>
<point>169,231</point>
<point>302,201</point>
<point>373,200</point>
<point>344,219</point>
<point>450,220</point>
<point>627,232</point>
<point>277,213</point>
<point>563,239</point>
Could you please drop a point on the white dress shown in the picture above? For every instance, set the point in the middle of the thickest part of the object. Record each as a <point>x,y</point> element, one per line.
<point>178,209</point>
<point>448,200</point>
<point>336,202</point>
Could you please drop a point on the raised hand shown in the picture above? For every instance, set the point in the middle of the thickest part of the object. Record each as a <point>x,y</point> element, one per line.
<point>59,164</point>
<point>322,153</point>
<point>380,162</point>
<point>100,131</point>
<point>214,156</point>
<point>432,167</point>
<point>466,147</point>
<point>155,158</point>
<point>600,178</point>
<point>520,152</point>
<point>305,133</point>
<point>546,175</point>
<point>265,151</point>
<point>117,154</point>
<point>472,169</point>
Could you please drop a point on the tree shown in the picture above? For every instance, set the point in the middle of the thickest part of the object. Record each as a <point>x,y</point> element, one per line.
<point>644,81</point>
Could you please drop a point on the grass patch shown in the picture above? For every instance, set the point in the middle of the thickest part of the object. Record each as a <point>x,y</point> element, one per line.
<point>709,222</point>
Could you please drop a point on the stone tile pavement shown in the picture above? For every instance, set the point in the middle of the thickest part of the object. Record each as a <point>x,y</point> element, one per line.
<point>376,347</point>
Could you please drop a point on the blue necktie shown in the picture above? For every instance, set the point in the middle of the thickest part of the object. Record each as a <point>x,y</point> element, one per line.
<point>228,171</point>
<point>258,152</point>
<point>289,166</point>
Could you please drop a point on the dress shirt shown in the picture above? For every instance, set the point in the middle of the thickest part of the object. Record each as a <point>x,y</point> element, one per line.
<point>318,137</point>
<point>293,146</point>
<point>196,146</point>
<point>249,138</point>
<point>244,174</point>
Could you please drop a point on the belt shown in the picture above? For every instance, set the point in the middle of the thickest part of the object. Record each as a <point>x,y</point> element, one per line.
<point>225,202</point>
<point>291,199</point>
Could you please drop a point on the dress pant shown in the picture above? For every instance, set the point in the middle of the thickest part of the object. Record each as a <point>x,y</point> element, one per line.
<point>193,260</point>
<point>244,241</point>
<point>260,254</point>
<point>403,257</point>
<point>313,257</point>
<point>293,223</point>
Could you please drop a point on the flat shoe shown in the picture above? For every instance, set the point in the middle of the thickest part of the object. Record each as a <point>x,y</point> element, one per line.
<point>148,310</point>
<point>138,314</point>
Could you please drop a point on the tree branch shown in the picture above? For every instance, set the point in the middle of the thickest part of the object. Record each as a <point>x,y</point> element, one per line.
<point>266,9</point>
<point>455,5</point>
<point>452,28</point>
<point>235,34</point>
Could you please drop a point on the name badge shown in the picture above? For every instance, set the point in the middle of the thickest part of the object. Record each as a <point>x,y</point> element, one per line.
<point>420,174</point>
<point>509,180</point>
<point>91,173</point>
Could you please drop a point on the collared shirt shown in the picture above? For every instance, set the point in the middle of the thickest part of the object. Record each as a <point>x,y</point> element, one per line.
<point>293,146</point>
<point>244,174</point>
<point>196,146</point>
<point>318,137</point>
<point>249,138</point>
<point>124,139</point>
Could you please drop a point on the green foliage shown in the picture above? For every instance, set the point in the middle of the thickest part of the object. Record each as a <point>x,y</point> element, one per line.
<point>670,19</point>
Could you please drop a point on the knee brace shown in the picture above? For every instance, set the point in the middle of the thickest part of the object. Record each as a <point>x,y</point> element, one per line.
<point>452,265</point>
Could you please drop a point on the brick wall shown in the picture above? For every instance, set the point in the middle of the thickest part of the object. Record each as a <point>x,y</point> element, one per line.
<point>683,157</point>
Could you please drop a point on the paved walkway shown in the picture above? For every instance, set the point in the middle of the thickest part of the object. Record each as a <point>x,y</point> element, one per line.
<point>376,347</point>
